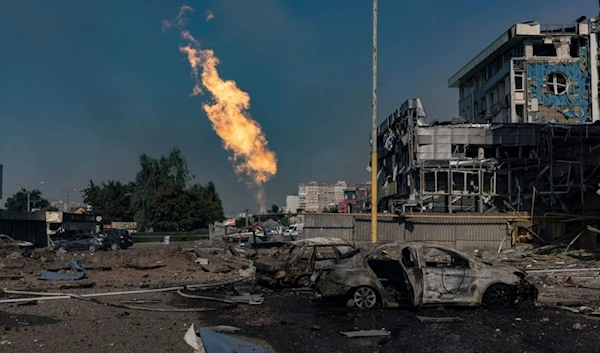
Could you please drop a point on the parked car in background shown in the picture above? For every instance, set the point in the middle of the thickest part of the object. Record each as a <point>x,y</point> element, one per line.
<point>244,235</point>
<point>8,242</point>
<point>91,242</point>
<point>118,238</point>
<point>294,262</point>
<point>420,274</point>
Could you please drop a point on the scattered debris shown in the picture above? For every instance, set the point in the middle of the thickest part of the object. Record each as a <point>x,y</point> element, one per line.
<point>202,261</point>
<point>208,341</point>
<point>578,326</point>
<point>77,285</point>
<point>366,333</point>
<point>144,268</point>
<point>248,299</point>
<point>74,265</point>
<point>225,329</point>
<point>429,319</point>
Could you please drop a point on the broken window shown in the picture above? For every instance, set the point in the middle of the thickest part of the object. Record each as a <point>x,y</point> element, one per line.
<point>458,150</point>
<point>325,253</point>
<point>307,254</point>
<point>408,259</point>
<point>520,110</point>
<point>519,81</point>
<point>472,151</point>
<point>436,257</point>
<point>540,49</point>
<point>343,249</point>
<point>556,83</point>
<point>458,181</point>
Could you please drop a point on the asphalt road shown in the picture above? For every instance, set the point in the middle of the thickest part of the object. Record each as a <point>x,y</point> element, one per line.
<point>289,323</point>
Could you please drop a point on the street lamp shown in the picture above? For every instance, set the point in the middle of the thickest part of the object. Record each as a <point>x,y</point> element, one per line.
<point>374,170</point>
<point>28,193</point>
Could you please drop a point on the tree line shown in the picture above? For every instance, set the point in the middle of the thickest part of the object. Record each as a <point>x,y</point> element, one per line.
<point>161,198</point>
<point>18,201</point>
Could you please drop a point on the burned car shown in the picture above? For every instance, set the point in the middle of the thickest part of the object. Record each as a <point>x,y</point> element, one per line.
<point>420,274</point>
<point>294,262</point>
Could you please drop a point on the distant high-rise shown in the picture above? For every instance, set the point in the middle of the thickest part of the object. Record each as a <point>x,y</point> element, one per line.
<point>316,197</point>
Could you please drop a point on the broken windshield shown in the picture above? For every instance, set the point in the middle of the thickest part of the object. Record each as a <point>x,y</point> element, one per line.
<point>287,252</point>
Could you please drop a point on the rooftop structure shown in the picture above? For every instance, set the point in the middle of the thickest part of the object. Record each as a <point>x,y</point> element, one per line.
<point>533,73</point>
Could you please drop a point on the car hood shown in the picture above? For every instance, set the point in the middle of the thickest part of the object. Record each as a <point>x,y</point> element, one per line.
<point>23,243</point>
<point>269,264</point>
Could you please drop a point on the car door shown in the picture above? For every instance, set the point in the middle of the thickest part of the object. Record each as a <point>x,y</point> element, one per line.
<point>447,275</point>
<point>72,243</point>
<point>325,252</point>
<point>414,272</point>
<point>304,261</point>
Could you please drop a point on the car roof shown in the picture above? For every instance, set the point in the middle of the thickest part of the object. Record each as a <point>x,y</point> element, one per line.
<point>383,246</point>
<point>321,241</point>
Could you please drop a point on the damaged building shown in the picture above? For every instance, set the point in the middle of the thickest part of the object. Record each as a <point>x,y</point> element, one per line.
<point>527,137</point>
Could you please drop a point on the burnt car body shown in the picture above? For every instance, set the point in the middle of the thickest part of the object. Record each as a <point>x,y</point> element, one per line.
<point>294,262</point>
<point>420,274</point>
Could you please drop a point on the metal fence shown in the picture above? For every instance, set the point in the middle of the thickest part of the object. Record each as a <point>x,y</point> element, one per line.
<point>464,232</point>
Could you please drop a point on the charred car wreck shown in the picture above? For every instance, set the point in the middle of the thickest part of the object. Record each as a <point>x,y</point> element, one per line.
<point>420,274</point>
<point>294,263</point>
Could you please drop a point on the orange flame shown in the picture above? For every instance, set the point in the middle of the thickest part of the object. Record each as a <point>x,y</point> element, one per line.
<point>230,119</point>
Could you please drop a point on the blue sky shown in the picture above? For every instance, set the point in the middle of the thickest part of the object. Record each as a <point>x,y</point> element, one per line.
<point>86,87</point>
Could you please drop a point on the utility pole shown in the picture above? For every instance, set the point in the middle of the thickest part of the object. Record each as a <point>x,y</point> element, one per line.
<point>28,193</point>
<point>374,168</point>
<point>67,192</point>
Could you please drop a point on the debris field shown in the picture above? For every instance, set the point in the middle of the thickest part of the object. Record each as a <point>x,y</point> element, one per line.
<point>163,290</point>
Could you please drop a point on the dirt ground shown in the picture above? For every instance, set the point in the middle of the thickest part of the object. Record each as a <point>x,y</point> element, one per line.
<point>287,321</point>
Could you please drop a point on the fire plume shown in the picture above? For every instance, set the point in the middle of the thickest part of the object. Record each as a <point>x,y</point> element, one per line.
<point>228,113</point>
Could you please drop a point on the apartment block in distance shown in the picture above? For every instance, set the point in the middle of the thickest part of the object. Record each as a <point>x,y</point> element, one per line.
<point>317,197</point>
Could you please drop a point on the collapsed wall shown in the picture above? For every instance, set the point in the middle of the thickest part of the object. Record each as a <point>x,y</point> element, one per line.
<point>457,166</point>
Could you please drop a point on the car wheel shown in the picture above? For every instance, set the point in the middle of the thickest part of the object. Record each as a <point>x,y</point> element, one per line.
<point>92,248</point>
<point>230,239</point>
<point>115,247</point>
<point>303,282</point>
<point>365,297</point>
<point>498,296</point>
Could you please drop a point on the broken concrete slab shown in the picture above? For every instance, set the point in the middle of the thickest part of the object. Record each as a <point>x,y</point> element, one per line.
<point>208,341</point>
<point>366,333</point>
<point>429,319</point>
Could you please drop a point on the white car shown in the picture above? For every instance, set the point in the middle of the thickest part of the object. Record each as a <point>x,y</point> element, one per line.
<point>6,241</point>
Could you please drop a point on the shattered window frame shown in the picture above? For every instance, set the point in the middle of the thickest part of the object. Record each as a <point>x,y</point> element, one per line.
<point>464,263</point>
<point>329,248</point>
<point>307,250</point>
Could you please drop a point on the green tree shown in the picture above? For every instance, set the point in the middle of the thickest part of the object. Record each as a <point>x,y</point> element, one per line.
<point>240,222</point>
<point>18,201</point>
<point>274,209</point>
<point>50,208</point>
<point>163,200</point>
<point>285,221</point>
<point>110,200</point>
